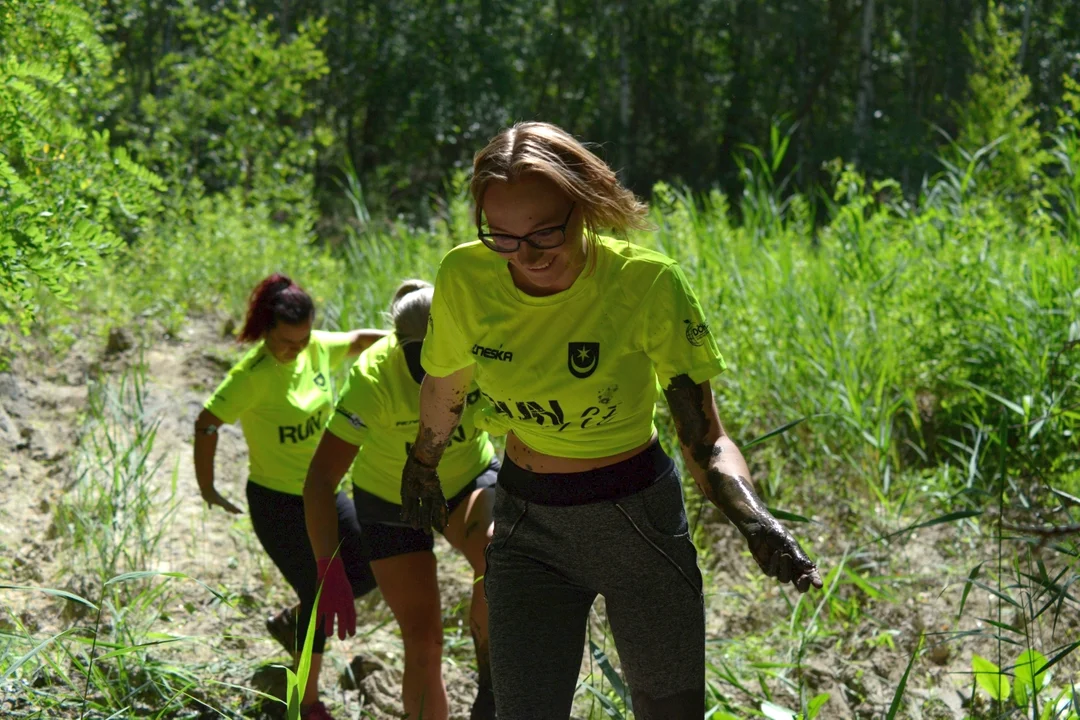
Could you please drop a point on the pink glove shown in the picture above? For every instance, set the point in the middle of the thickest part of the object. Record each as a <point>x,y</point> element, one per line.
<point>336,599</point>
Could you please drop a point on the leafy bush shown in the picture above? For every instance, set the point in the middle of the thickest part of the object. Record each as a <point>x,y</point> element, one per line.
<point>67,198</point>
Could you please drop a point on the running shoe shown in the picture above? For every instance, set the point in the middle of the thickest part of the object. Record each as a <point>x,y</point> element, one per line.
<point>282,627</point>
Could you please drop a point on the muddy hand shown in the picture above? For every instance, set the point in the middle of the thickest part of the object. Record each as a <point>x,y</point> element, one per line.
<point>422,503</point>
<point>778,554</point>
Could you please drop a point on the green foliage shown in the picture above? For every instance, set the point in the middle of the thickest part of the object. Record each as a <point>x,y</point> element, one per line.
<point>996,112</point>
<point>990,678</point>
<point>114,515</point>
<point>1064,189</point>
<point>67,198</point>
<point>208,259</point>
<point>852,325</point>
<point>232,108</point>
<point>415,87</point>
<point>1029,676</point>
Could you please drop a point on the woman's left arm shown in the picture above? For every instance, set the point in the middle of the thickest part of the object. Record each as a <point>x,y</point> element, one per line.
<point>361,340</point>
<point>721,473</point>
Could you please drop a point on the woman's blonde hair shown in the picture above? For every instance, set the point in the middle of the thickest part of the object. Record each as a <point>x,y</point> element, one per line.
<point>547,150</point>
<point>409,309</point>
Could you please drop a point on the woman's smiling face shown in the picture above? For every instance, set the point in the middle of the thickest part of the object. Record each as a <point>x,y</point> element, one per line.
<point>528,204</point>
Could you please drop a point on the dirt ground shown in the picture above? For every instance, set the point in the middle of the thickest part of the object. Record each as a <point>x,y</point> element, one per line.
<point>43,400</point>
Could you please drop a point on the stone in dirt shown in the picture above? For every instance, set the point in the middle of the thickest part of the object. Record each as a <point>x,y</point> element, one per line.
<point>120,340</point>
<point>360,668</point>
<point>9,431</point>
<point>45,448</point>
<point>271,679</point>
<point>13,399</point>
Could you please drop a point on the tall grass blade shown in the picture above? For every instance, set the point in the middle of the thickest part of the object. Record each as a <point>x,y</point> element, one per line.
<point>1069,499</point>
<point>33,653</point>
<point>772,433</point>
<point>989,393</point>
<point>997,593</point>
<point>789,516</point>
<point>51,591</point>
<point>967,588</point>
<point>617,684</point>
<point>947,518</point>
<point>610,708</point>
<point>898,696</point>
<point>143,574</point>
<point>1058,658</point>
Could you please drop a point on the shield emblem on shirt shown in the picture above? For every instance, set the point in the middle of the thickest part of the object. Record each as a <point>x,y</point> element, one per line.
<point>583,357</point>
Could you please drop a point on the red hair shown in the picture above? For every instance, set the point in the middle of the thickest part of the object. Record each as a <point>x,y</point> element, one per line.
<point>275,300</point>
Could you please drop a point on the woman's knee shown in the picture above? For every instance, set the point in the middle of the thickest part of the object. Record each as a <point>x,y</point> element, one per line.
<point>475,551</point>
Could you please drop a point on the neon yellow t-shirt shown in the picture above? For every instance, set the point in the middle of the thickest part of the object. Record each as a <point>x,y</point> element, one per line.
<point>282,407</point>
<point>379,411</point>
<point>573,374</point>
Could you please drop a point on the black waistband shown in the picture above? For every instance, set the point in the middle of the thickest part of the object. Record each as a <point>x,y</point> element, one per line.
<point>612,482</point>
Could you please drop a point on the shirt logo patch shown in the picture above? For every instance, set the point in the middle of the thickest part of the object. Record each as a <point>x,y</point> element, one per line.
<point>696,334</point>
<point>354,420</point>
<point>493,353</point>
<point>583,358</point>
<point>320,380</point>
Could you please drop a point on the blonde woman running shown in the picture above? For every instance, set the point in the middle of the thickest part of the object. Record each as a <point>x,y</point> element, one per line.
<point>570,335</point>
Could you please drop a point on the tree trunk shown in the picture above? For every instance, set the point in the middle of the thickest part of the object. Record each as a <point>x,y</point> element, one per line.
<point>866,79</point>
<point>624,95</point>
<point>555,44</point>
<point>913,86</point>
<point>1026,33</point>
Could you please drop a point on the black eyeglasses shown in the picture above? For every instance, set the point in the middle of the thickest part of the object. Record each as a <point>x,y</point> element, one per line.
<point>543,239</point>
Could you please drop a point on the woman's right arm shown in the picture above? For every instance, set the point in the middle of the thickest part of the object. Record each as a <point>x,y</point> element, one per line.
<point>442,400</point>
<point>206,427</point>
<point>330,463</point>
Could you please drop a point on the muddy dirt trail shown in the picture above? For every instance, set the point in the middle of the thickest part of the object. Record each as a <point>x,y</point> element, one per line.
<point>43,404</point>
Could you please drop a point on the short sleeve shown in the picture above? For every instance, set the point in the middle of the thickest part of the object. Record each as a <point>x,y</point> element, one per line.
<point>445,348</point>
<point>336,344</point>
<point>358,408</point>
<point>236,393</point>
<point>677,336</point>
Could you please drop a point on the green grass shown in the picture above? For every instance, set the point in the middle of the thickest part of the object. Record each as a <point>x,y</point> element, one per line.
<point>928,345</point>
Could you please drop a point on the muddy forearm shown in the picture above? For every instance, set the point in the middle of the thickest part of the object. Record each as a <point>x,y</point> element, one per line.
<point>442,401</point>
<point>713,458</point>
<point>721,472</point>
<point>727,481</point>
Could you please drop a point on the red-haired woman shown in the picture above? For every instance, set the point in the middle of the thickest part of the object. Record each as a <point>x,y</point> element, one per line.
<point>281,393</point>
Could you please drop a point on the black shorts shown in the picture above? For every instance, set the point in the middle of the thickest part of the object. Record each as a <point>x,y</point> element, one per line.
<point>383,534</point>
